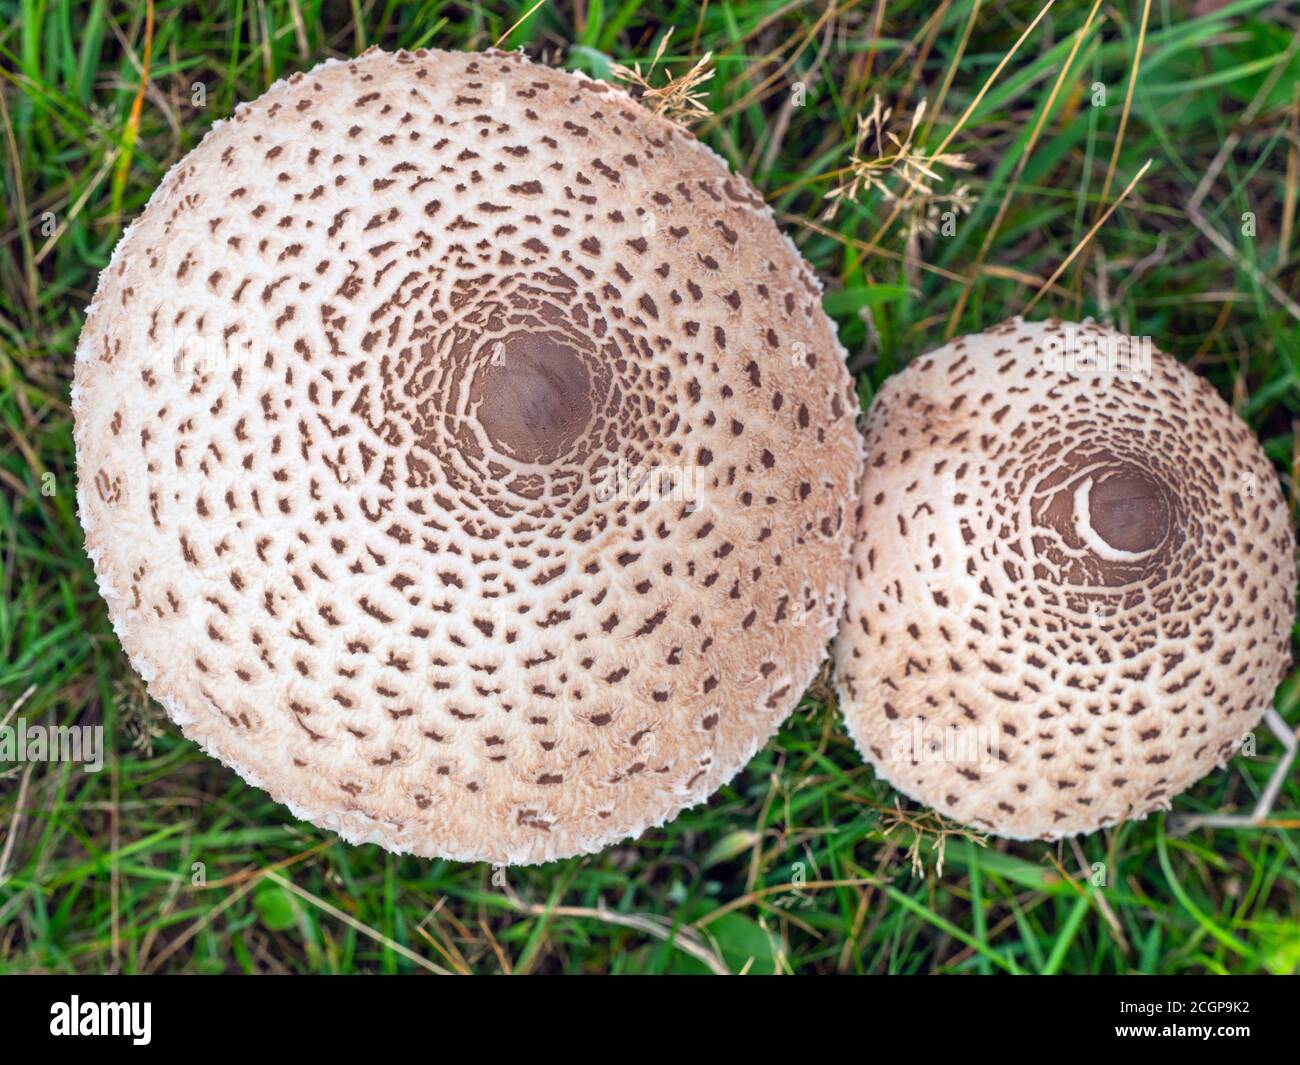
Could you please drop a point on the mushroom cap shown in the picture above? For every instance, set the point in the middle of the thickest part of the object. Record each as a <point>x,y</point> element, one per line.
<point>1072,587</point>
<point>364,405</point>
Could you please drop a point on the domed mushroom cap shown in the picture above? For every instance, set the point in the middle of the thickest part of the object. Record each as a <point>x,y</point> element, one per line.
<point>1073,579</point>
<point>365,406</point>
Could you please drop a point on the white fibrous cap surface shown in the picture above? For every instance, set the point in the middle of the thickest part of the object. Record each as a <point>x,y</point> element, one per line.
<point>465,457</point>
<point>1073,581</point>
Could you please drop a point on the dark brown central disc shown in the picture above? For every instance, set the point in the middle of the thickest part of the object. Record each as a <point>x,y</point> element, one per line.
<point>533,396</point>
<point>1129,511</point>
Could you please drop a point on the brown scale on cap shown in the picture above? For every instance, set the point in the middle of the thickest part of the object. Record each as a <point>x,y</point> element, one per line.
<point>353,401</point>
<point>1072,589</point>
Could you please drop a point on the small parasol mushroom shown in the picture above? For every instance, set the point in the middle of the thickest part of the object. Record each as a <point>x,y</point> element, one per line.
<point>1073,585</point>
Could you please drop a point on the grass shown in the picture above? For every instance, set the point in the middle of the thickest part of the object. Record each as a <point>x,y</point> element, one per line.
<point>167,862</point>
